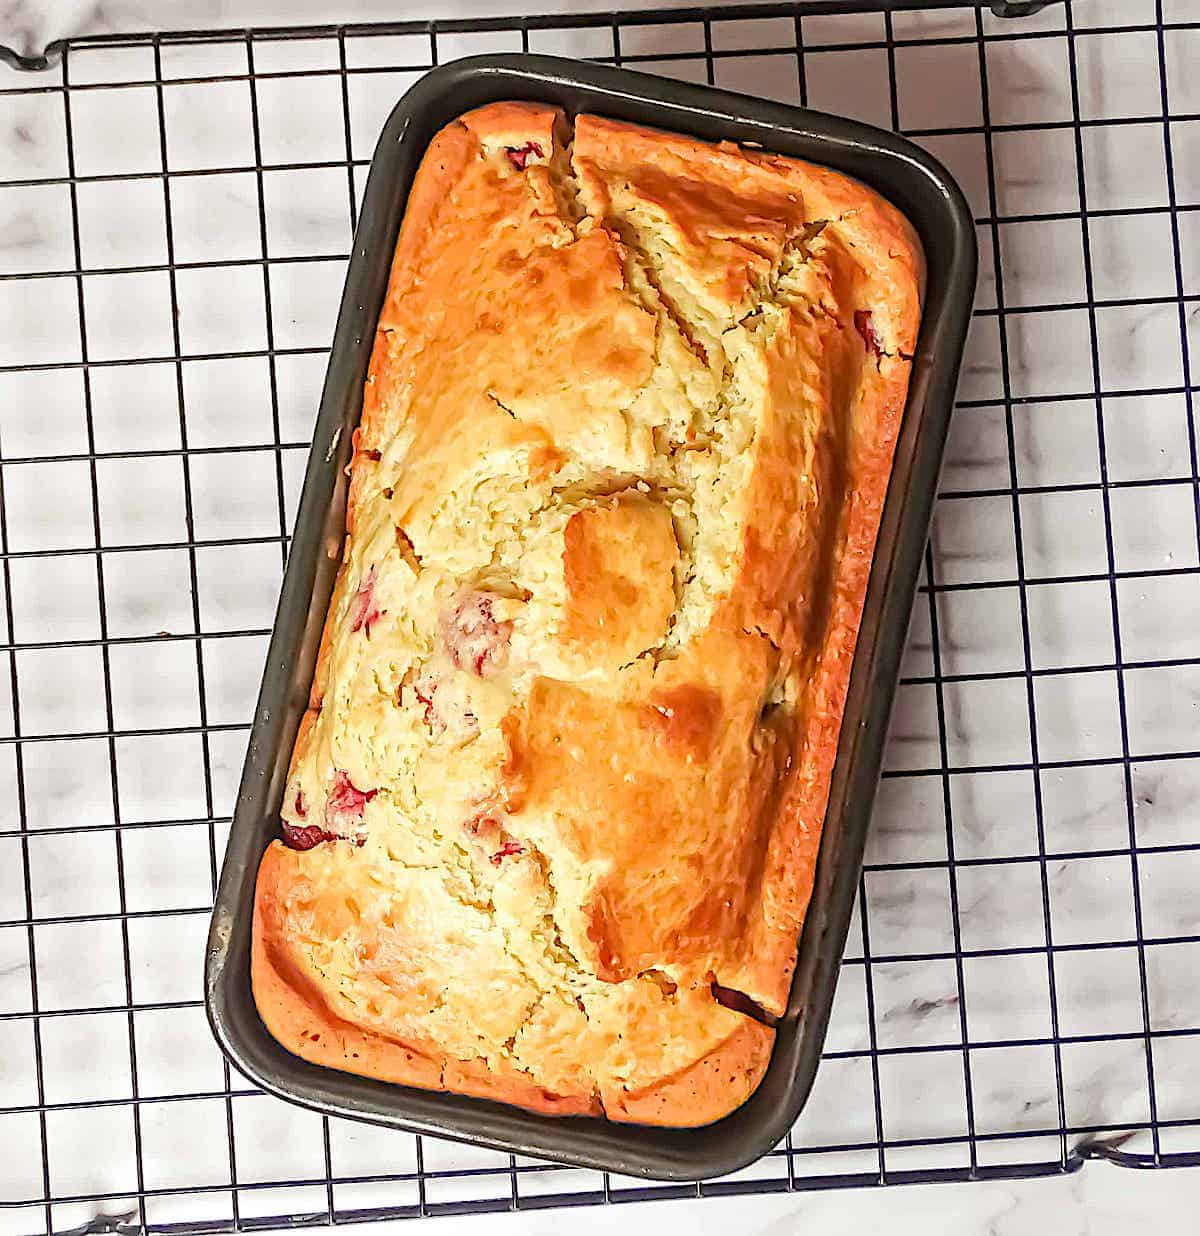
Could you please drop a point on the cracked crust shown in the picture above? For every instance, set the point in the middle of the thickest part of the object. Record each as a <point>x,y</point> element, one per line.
<point>625,441</point>
<point>292,1003</point>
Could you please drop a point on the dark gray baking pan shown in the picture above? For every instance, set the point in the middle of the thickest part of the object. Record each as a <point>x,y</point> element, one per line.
<point>931,200</point>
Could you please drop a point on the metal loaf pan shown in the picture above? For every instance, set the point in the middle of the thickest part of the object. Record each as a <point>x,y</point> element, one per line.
<point>926,194</point>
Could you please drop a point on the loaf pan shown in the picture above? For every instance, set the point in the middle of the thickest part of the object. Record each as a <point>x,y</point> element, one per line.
<point>925,193</point>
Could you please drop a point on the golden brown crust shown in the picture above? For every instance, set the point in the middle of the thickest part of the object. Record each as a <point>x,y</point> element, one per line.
<point>713,1086</point>
<point>626,436</point>
<point>619,561</point>
<point>292,1005</point>
<point>294,1010</point>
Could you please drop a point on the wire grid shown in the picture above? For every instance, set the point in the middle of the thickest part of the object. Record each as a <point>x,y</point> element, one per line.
<point>1021,989</point>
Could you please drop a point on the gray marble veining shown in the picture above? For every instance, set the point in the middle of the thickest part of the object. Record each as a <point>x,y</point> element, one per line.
<point>1041,854</point>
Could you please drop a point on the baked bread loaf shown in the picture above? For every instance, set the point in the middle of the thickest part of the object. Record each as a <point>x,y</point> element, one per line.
<point>552,815</point>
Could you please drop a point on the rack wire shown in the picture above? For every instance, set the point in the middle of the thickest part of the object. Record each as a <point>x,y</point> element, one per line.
<point>1021,991</point>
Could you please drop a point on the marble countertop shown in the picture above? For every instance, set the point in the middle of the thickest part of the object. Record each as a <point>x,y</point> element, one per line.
<point>1066,560</point>
<point>1100,1201</point>
<point>29,25</point>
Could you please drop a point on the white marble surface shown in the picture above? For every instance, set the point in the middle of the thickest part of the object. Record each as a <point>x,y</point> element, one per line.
<point>1101,1201</point>
<point>926,1004</point>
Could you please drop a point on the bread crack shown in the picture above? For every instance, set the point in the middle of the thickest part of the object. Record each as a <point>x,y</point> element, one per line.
<point>500,404</point>
<point>739,1002</point>
<point>662,300</point>
<point>763,635</point>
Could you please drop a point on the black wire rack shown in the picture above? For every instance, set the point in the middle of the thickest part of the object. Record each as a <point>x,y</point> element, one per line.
<point>1022,987</point>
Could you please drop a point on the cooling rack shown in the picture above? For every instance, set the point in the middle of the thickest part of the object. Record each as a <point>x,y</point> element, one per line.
<point>1021,990</point>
